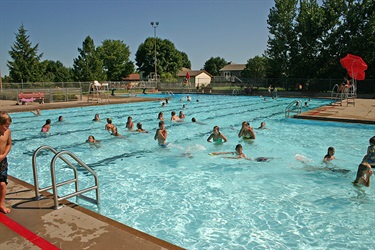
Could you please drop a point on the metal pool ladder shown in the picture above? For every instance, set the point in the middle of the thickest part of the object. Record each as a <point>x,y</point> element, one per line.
<point>79,193</point>
<point>293,107</point>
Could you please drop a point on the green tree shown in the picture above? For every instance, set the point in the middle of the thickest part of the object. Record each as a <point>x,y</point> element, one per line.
<point>309,31</point>
<point>115,55</point>
<point>282,37</point>
<point>214,64</point>
<point>185,60</point>
<point>255,68</point>
<point>169,59</point>
<point>25,64</point>
<point>55,71</point>
<point>328,58</point>
<point>88,66</point>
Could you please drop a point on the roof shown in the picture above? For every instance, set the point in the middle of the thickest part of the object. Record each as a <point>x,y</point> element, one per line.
<point>233,67</point>
<point>192,73</point>
<point>132,77</point>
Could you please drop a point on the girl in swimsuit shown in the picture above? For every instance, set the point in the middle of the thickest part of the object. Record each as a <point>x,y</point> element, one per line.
<point>246,131</point>
<point>46,127</point>
<point>363,175</point>
<point>216,136</point>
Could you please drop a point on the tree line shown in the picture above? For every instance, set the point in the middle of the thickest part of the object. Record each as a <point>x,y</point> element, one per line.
<point>305,40</point>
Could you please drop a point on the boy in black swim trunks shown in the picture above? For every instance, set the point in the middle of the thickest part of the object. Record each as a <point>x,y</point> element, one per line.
<point>5,146</point>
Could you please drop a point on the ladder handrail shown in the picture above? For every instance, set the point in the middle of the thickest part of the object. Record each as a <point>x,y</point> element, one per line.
<point>77,192</point>
<point>59,155</point>
<point>293,103</point>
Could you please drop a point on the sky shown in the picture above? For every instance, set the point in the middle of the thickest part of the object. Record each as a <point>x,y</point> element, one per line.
<point>235,30</point>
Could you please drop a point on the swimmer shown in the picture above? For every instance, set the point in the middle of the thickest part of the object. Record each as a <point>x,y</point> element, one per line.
<point>181,115</point>
<point>160,116</point>
<point>116,133</point>
<point>262,125</point>
<point>47,126</point>
<point>238,154</point>
<point>184,106</point>
<point>246,132</point>
<point>36,112</point>
<point>195,121</point>
<point>91,139</point>
<point>370,156</point>
<point>60,118</point>
<point>188,98</point>
<point>96,118</point>
<point>109,126</point>
<point>216,136</point>
<point>140,129</point>
<point>174,117</point>
<point>330,155</point>
<point>363,175</point>
<point>130,123</point>
<point>161,134</point>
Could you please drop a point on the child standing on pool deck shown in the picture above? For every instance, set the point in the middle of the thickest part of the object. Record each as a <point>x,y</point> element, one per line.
<point>5,146</point>
<point>370,156</point>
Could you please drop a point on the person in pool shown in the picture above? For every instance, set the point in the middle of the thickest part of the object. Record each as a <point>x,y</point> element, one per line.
<point>140,129</point>
<point>130,123</point>
<point>238,154</point>
<point>96,118</point>
<point>47,126</point>
<point>330,155</point>
<point>61,118</point>
<point>91,139</point>
<point>363,175</point>
<point>370,156</point>
<point>160,116</point>
<point>216,136</point>
<point>174,117</point>
<point>181,115</point>
<point>161,134</point>
<point>246,131</point>
<point>262,125</point>
<point>109,126</point>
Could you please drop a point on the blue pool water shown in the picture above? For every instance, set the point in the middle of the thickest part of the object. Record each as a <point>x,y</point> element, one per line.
<point>185,196</point>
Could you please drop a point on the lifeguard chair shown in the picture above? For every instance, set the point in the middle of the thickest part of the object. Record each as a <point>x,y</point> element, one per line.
<point>98,91</point>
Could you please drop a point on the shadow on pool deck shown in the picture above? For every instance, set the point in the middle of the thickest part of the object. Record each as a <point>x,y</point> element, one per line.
<point>74,227</point>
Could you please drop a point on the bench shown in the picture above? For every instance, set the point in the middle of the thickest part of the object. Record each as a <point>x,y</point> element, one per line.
<point>31,96</point>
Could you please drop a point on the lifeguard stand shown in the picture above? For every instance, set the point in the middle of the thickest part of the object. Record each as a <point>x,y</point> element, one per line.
<point>98,92</point>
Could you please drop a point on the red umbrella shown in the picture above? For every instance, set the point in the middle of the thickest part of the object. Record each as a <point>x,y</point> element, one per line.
<point>355,66</point>
<point>187,75</point>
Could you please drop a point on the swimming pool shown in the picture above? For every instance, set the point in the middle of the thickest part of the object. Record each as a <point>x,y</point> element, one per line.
<point>183,195</point>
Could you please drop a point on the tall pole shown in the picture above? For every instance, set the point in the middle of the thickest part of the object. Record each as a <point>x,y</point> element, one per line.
<point>155,25</point>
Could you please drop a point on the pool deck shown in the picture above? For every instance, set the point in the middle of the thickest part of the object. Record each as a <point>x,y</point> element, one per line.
<point>362,112</point>
<point>34,224</point>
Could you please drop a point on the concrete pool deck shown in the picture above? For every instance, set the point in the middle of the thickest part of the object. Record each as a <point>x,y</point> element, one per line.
<point>35,224</point>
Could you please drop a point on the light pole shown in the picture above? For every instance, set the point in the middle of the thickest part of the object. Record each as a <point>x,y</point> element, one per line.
<point>155,25</point>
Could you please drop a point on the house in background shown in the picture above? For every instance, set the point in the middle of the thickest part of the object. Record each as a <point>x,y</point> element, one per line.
<point>232,71</point>
<point>197,77</point>
<point>132,79</point>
